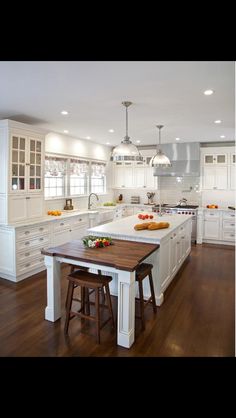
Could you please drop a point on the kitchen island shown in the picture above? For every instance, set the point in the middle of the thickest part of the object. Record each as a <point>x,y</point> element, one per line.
<point>175,246</point>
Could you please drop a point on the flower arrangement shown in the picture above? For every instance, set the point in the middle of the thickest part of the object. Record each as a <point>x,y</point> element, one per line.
<point>96,242</point>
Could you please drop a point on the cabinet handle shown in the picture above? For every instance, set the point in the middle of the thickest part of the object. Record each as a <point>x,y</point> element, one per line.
<point>174,235</point>
<point>27,197</point>
<point>212,214</point>
<point>27,265</point>
<point>231,224</point>
<point>80,219</point>
<point>62,223</point>
<point>27,163</point>
<point>171,237</point>
<point>182,237</point>
<point>27,243</point>
<point>27,254</point>
<point>41,239</point>
<point>27,232</point>
<point>177,242</point>
<point>232,235</point>
<point>41,229</point>
<point>214,187</point>
<point>41,259</point>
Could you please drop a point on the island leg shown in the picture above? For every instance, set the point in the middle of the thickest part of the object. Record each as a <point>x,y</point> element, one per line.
<point>53,309</point>
<point>126,308</point>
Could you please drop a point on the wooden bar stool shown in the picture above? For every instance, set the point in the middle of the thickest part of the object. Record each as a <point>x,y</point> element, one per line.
<point>73,268</point>
<point>143,271</point>
<point>88,281</point>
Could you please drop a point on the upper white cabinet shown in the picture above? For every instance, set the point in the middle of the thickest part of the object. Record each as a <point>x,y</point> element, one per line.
<point>26,161</point>
<point>218,168</point>
<point>216,159</point>
<point>133,175</point>
<point>21,171</point>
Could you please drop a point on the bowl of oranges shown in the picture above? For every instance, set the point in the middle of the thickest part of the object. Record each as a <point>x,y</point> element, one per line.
<point>54,212</point>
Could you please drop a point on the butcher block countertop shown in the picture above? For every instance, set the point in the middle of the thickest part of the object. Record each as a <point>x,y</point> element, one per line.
<point>123,255</point>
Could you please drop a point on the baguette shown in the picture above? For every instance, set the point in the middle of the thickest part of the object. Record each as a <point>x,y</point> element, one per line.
<point>158,225</point>
<point>144,225</point>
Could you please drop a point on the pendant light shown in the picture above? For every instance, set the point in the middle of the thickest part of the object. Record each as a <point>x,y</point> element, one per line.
<point>126,151</point>
<point>160,159</point>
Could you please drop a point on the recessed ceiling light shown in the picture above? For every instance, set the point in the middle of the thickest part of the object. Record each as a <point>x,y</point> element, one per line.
<point>222,136</point>
<point>217,121</point>
<point>88,137</point>
<point>108,143</point>
<point>65,131</point>
<point>64,112</point>
<point>111,130</point>
<point>208,92</point>
<point>138,141</point>
<point>177,139</point>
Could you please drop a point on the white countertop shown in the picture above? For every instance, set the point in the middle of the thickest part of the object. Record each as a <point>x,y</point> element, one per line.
<point>125,228</point>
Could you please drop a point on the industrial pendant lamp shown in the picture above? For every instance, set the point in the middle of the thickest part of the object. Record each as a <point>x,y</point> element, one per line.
<point>126,151</point>
<point>160,159</point>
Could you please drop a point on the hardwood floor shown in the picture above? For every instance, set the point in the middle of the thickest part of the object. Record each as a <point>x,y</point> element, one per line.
<point>196,319</point>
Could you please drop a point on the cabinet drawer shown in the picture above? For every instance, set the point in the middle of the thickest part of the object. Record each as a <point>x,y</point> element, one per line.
<point>33,242</point>
<point>211,214</point>
<point>229,215</point>
<point>30,265</point>
<point>61,225</point>
<point>31,231</point>
<point>80,221</point>
<point>228,225</point>
<point>228,235</point>
<point>28,254</point>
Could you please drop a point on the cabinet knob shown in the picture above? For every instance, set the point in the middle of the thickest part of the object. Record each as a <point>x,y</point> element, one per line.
<point>41,229</point>
<point>27,243</point>
<point>27,232</point>
<point>27,254</point>
<point>62,223</point>
<point>41,239</point>
<point>27,265</point>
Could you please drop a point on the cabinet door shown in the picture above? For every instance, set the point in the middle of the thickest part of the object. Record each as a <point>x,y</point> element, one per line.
<point>35,155</point>
<point>61,237</point>
<point>139,176</point>
<point>128,175</point>
<point>173,254</point>
<point>232,158</point>
<point>78,233</point>
<point>35,206</point>
<point>18,164</point>
<point>150,180</point>
<point>119,177</point>
<point>232,177</point>
<point>17,208</point>
<point>220,159</point>
<point>211,229</point>
<point>208,159</point>
<point>166,265</point>
<point>221,178</point>
<point>208,178</point>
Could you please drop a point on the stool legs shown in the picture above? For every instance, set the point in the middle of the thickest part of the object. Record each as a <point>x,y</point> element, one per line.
<point>152,293</point>
<point>140,286</point>
<point>97,315</point>
<point>108,296</point>
<point>68,307</point>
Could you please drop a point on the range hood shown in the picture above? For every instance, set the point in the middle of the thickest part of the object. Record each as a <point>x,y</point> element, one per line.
<point>184,158</point>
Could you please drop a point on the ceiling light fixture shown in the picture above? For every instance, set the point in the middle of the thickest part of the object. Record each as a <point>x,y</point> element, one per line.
<point>138,141</point>
<point>177,139</point>
<point>208,92</point>
<point>111,131</point>
<point>217,121</point>
<point>107,143</point>
<point>88,137</point>
<point>64,112</point>
<point>222,136</point>
<point>126,150</point>
<point>65,131</point>
<point>160,159</point>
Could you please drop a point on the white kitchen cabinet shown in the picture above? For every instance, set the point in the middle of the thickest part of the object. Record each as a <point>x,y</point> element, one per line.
<point>232,177</point>
<point>211,228</point>
<point>133,175</point>
<point>139,180</point>
<point>215,178</point>
<point>21,171</point>
<point>215,159</point>
<point>151,180</point>
<point>25,207</point>
<point>173,253</point>
<point>232,158</point>
<point>166,261</point>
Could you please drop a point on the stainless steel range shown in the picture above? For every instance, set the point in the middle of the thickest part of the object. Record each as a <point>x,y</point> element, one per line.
<point>182,210</point>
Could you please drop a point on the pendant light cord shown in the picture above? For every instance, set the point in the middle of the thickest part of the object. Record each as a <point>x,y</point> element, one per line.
<point>126,122</point>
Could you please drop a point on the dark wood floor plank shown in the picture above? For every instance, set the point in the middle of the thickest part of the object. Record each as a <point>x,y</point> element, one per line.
<point>196,318</point>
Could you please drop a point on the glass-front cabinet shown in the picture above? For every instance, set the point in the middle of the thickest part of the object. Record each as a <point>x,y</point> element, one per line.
<point>26,164</point>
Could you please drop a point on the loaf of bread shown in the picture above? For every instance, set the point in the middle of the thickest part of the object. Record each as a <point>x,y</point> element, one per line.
<point>144,225</point>
<point>158,225</point>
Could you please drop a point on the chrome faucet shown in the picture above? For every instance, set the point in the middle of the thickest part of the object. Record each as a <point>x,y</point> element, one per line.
<point>89,198</point>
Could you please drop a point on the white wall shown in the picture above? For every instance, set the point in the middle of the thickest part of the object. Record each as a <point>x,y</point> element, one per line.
<point>67,145</point>
<point>222,198</point>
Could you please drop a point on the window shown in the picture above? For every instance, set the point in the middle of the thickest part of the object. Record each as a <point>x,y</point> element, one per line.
<point>98,177</point>
<point>78,177</point>
<point>54,180</point>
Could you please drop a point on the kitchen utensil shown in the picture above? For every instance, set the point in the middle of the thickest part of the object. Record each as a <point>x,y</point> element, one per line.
<point>231,207</point>
<point>182,202</point>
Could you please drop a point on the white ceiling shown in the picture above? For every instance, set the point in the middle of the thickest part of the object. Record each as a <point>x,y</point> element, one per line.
<point>162,92</point>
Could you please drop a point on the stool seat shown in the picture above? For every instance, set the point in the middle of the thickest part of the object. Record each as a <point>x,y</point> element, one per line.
<point>88,281</point>
<point>143,271</point>
<point>91,280</point>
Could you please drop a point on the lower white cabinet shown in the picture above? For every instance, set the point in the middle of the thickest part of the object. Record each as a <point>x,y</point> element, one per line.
<point>216,226</point>
<point>232,177</point>
<point>215,178</point>
<point>211,229</point>
<point>25,207</point>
